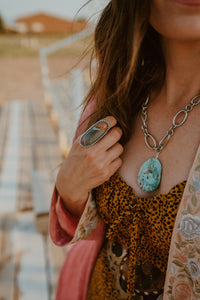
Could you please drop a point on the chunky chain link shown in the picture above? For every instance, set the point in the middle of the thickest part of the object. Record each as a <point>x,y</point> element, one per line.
<point>150,140</point>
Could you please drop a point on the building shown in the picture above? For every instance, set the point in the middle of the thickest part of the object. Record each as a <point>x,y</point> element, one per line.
<point>48,24</point>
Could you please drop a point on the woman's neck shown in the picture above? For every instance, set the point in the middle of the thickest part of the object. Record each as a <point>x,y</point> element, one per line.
<point>182,71</point>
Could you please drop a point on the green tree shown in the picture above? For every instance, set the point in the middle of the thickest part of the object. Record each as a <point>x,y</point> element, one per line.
<point>2,27</point>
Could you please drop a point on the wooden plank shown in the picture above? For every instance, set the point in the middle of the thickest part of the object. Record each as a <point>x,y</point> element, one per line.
<point>25,269</point>
<point>46,159</point>
<point>25,263</point>
<point>29,256</point>
<point>9,154</point>
<point>7,270</point>
<point>4,112</point>
<point>24,198</point>
<point>10,164</point>
<point>45,142</point>
<point>1,241</point>
<point>42,187</point>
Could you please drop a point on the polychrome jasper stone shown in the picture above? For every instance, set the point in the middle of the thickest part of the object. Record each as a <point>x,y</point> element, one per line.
<point>149,175</point>
<point>94,133</point>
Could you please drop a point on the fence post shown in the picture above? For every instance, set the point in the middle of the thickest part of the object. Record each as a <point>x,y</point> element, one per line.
<point>45,77</point>
<point>78,93</point>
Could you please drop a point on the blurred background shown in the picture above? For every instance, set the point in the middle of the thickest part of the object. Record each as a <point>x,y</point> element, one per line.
<point>25,26</point>
<point>45,49</point>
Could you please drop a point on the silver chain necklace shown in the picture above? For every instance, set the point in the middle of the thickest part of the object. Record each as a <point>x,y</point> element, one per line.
<point>149,175</point>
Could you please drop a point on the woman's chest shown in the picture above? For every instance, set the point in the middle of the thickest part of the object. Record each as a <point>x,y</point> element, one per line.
<point>176,158</point>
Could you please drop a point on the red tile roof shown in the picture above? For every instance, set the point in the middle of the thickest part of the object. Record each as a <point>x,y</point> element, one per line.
<point>52,24</point>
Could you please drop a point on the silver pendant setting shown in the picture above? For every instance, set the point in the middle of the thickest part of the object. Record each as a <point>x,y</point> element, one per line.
<point>149,175</point>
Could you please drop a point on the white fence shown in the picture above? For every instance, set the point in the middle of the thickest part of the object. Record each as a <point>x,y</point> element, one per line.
<point>64,96</point>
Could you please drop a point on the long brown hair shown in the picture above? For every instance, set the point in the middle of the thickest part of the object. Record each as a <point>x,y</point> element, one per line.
<point>130,62</point>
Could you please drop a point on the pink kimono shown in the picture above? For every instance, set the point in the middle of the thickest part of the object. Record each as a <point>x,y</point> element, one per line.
<point>87,234</point>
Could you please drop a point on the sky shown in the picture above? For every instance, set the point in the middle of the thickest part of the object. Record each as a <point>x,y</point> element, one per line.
<point>10,10</point>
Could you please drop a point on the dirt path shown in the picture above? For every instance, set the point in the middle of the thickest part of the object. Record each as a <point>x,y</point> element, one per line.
<point>21,78</point>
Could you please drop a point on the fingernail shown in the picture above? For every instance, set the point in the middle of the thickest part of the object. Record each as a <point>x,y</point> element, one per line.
<point>102,125</point>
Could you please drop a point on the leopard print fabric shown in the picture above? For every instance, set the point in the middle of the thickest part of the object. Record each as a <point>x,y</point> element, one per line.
<point>144,227</point>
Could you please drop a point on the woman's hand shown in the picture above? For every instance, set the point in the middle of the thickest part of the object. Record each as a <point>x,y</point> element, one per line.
<point>87,168</point>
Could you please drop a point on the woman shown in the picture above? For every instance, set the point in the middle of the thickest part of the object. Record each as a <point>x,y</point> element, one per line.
<point>118,198</point>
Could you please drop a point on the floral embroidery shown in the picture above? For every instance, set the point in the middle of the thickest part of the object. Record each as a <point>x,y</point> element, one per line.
<point>194,269</point>
<point>190,226</point>
<point>183,281</point>
<point>88,222</point>
<point>196,183</point>
<point>182,290</point>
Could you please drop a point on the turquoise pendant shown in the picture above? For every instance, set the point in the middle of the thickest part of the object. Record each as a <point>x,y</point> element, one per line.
<point>149,175</point>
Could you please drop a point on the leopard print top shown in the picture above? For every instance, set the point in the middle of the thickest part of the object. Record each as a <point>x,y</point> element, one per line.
<point>133,260</point>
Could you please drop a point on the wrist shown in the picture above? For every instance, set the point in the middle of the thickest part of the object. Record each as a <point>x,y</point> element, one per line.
<point>75,207</point>
<point>73,202</point>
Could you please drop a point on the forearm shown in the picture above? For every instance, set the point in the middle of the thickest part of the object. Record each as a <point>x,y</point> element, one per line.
<point>72,197</point>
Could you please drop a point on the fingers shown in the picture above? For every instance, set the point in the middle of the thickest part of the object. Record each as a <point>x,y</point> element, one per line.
<point>105,173</point>
<point>114,152</point>
<point>111,161</point>
<point>115,165</point>
<point>110,139</point>
<point>111,121</point>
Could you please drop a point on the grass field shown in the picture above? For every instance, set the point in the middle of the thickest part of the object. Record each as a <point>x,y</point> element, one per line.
<point>13,45</point>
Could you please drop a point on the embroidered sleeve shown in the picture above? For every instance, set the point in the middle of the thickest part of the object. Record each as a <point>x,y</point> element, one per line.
<point>89,220</point>
<point>183,276</point>
<point>65,228</point>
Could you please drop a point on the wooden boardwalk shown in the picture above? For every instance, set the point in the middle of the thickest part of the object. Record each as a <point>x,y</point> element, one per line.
<point>29,155</point>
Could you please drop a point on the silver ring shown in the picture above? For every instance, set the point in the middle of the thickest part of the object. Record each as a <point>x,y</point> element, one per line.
<point>93,134</point>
